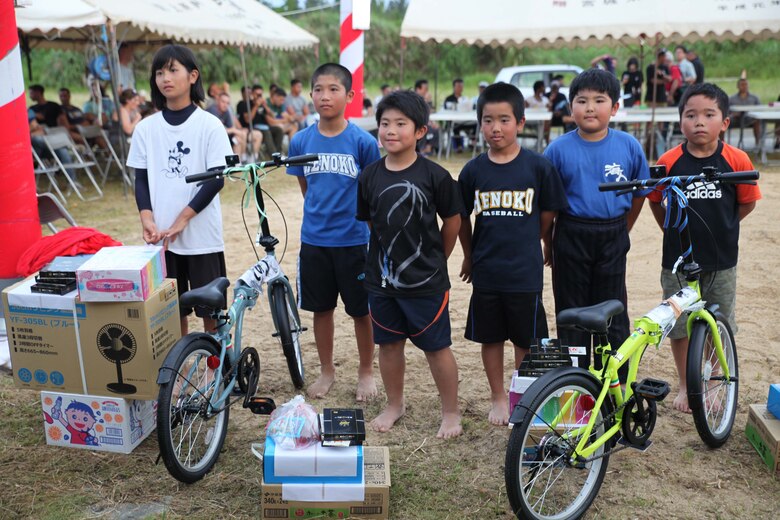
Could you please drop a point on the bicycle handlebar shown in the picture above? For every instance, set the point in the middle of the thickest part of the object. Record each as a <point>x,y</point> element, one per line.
<point>747,177</point>
<point>276,161</point>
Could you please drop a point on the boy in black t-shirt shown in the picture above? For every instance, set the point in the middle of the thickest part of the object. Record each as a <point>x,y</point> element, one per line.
<point>406,270</point>
<point>515,195</point>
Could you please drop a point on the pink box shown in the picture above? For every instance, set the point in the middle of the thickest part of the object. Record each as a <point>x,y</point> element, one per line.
<point>121,274</point>
<point>517,388</point>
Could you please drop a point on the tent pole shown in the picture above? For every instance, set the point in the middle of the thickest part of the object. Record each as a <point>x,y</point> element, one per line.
<point>401,65</point>
<point>113,64</point>
<point>436,77</point>
<point>24,43</point>
<point>249,141</point>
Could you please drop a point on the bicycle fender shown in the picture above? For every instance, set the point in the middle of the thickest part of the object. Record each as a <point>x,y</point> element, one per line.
<point>166,369</point>
<point>541,382</point>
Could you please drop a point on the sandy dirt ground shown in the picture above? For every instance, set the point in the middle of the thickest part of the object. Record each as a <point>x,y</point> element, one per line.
<point>463,478</point>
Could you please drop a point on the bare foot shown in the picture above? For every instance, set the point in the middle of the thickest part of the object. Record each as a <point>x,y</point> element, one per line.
<point>321,386</point>
<point>450,426</point>
<point>366,388</point>
<point>499,412</point>
<point>681,402</point>
<point>385,420</point>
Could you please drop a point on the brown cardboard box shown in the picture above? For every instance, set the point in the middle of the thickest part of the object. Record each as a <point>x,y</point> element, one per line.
<point>123,344</point>
<point>54,341</point>
<point>43,338</point>
<point>763,432</point>
<point>375,506</point>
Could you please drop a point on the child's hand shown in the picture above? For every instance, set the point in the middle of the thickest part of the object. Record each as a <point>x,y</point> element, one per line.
<point>151,235</point>
<point>547,254</point>
<point>465,270</point>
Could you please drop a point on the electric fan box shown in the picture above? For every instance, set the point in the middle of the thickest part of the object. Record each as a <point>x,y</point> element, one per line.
<point>123,344</point>
<point>95,422</point>
<point>43,338</point>
<point>121,273</point>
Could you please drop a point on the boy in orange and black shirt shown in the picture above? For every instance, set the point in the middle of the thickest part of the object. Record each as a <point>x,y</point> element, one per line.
<point>716,211</point>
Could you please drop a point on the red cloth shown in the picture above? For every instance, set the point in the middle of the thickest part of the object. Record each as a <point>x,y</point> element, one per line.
<point>68,242</point>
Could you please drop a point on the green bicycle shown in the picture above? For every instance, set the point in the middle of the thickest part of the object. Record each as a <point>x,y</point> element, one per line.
<point>204,374</point>
<point>571,420</point>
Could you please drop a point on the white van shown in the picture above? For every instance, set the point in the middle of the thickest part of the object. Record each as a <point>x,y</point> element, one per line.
<point>524,76</point>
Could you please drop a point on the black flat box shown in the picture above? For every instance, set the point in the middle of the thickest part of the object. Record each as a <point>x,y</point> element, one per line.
<point>53,288</point>
<point>63,266</point>
<point>342,426</point>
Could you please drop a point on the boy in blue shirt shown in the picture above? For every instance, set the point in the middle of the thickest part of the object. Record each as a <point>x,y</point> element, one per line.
<point>515,195</point>
<point>590,238</point>
<point>401,197</point>
<point>333,242</point>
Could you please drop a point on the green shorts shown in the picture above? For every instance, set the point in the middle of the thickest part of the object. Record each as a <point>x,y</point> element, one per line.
<point>716,287</point>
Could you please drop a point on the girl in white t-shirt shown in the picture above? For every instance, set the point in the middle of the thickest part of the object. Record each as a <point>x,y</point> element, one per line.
<point>178,140</point>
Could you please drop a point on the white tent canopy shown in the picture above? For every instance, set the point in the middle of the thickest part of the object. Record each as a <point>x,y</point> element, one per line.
<point>197,22</point>
<point>558,23</point>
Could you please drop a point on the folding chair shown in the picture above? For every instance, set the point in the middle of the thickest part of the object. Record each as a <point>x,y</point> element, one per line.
<point>50,210</point>
<point>108,154</point>
<point>55,139</point>
<point>41,168</point>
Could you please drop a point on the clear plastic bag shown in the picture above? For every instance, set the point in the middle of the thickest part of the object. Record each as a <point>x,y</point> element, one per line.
<point>294,425</point>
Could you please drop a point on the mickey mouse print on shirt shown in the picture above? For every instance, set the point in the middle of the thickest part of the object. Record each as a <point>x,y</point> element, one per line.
<point>175,167</point>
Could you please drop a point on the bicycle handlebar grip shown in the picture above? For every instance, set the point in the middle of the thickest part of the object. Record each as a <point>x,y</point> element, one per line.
<point>617,186</point>
<point>734,177</point>
<point>205,176</point>
<point>301,159</point>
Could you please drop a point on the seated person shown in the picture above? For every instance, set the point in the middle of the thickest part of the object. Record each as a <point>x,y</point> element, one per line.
<point>107,108</point>
<point>538,101</point>
<point>430,142</point>
<point>740,119</point>
<point>560,108</point>
<point>254,116</point>
<point>46,113</point>
<point>129,116</point>
<point>276,115</point>
<point>238,136</point>
<point>36,139</point>
<point>296,105</point>
<point>73,116</point>
<point>461,131</point>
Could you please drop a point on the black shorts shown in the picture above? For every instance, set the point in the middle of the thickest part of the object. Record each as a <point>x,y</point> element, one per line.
<point>193,271</point>
<point>425,320</point>
<point>496,316</point>
<point>324,273</point>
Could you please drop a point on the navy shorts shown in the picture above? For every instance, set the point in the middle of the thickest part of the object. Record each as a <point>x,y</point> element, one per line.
<point>193,271</point>
<point>496,316</point>
<point>425,320</point>
<point>324,273</point>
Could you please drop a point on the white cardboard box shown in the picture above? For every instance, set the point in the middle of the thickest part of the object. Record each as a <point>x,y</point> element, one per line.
<point>97,423</point>
<point>122,273</point>
<point>315,464</point>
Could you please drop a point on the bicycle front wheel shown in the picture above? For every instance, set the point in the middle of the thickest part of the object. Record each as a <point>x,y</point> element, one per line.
<point>190,436</point>
<point>542,482</point>
<point>712,399</point>
<point>288,327</point>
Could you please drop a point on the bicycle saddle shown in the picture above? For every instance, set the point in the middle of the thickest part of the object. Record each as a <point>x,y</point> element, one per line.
<point>211,295</point>
<point>594,319</point>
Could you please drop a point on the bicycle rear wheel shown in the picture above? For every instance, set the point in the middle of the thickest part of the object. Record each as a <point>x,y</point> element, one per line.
<point>541,482</point>
<point>190,438</point>
<point>288,328</point>
<point>713,400</point>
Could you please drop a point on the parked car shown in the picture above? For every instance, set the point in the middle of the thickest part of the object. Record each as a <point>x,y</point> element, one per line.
<point>524,76</point>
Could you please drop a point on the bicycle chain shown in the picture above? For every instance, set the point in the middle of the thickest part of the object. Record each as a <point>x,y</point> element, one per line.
<point>604,420</point>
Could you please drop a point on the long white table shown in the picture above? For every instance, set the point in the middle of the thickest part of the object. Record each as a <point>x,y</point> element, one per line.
<point>765,116</point>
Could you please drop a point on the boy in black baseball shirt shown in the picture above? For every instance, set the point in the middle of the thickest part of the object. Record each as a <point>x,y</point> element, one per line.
<point>406,270</point>
<point>515,195</point>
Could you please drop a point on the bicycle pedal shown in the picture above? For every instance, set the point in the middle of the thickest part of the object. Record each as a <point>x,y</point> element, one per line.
<point>640,447</point>
<point>260,405</point>
<point>652,389</point>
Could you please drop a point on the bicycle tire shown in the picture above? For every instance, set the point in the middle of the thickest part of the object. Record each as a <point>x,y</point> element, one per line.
<point>190,443</point>
<point>288,328</point>
<point>531,447</point>
<point>713,406</point>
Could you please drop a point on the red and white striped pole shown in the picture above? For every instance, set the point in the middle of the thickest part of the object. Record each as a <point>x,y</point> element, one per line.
<point>354,19</point>
<point>19,223</point>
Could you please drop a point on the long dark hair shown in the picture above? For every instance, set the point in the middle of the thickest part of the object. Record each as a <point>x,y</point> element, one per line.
<point>163,58</point>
